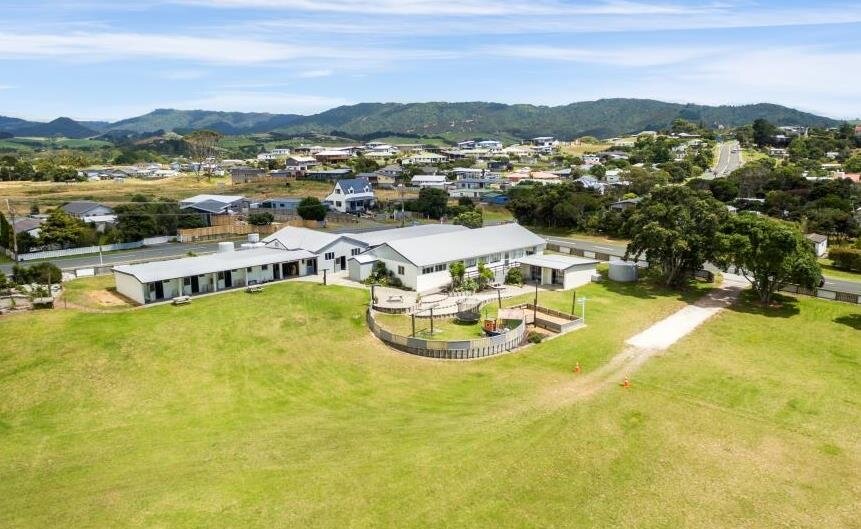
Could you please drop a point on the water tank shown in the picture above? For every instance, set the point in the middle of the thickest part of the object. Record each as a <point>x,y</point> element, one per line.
<point>253,237</point>
<point>623,271</point>
<point>224,247</point>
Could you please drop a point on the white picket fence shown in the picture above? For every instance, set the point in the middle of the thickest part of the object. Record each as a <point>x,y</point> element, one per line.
<point>53,254</point>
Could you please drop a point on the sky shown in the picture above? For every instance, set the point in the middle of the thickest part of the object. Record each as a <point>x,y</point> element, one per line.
<point>113,59</point>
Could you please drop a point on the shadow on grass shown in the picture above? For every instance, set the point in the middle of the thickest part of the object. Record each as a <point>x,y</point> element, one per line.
<point>781,307</point>
<point>851,320</point>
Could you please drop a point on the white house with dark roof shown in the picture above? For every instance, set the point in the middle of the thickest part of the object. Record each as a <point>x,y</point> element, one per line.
<point>421,263</point>
<point>81,209</point>
<point>352,195</point>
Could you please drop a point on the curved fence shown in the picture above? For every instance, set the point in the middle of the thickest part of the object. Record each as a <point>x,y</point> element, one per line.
<point>450,349</point>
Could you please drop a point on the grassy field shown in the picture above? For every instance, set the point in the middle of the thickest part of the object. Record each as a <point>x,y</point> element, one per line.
<point>496,214</point>
<point>585,148</point>
<point>52,194</point>
<point>829,270</point>
<point>281,410</point>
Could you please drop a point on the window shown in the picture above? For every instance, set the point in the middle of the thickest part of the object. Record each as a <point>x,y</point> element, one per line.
<point>248,269</point>
<point>355,251</point>
<point>440,267</point>
<point>265,267</point>
<point>330,256</point>
<point>186,281</point>
<point>427,270</point>
<point>470,262</point>
<point>400,270</point>
<point>338,203</point>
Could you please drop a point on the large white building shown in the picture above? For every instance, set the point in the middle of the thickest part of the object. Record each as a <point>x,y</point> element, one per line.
<point>421,263</point>
<point>189,276</point>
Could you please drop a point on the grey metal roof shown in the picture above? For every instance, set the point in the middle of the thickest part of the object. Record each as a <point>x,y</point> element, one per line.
<point>293,238</point>
<point>224,199</point>
<point>209,206</point>
<point>79,207</point>
<point>357,185</point>
<point>465,244</point>
<point>207,264</point>
<point>27,224</point>
<point>364,258</point>
<point>378,237</point>
<point>556,262</point>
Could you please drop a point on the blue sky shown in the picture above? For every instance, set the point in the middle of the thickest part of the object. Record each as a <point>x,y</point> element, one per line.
<point>100,59</point>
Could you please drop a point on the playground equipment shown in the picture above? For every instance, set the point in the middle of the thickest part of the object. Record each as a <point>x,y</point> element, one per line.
<point>506,319</point>
<point>468,311</point>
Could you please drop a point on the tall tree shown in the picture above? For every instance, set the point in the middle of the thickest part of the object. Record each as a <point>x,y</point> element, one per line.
<point>676,228</point>
<point>202,147</point>
<point>769,253</point>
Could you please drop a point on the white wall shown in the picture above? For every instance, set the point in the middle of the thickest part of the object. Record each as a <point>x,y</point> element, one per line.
<point>130,287</point>
<point>340,248</point>
<point>577,277</point>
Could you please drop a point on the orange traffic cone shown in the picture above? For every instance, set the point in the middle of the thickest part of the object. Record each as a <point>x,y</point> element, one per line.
<point>626,384</point>
<point>577,368</point>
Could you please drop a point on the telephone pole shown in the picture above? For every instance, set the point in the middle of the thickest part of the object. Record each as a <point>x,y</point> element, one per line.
<point>14,234</point>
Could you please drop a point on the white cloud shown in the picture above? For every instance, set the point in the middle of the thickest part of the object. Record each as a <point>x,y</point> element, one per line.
<point>110,46</point>
<point>311,74</point>
<point>183,75</point>
<point>632,57</point>
<point>462,7</point>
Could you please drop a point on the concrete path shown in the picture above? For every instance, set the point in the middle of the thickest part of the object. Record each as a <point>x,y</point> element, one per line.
<point>643,346</point>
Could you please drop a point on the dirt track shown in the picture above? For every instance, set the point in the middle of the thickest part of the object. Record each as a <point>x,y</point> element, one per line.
<point>640,347</point>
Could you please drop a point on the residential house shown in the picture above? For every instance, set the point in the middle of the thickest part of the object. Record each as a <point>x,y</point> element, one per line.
<point>244,175</point>
<point>472,187</point>
<point>333,155</point>
<point>280,205</point>
<point>214,207</point>
<point>81,209</point>
<point>352,195</point>
<point>327,174</point>
<point>490,145</point>
<point>422,263</point>
<point>423,158</point>
<point>29,225</point>
<point>625,204</point>
<point>299,164</point>
<point>436,181</point>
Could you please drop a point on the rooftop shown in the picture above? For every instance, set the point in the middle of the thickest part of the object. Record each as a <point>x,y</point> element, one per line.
<point>207,264</point>
<point>292,238</point>
<point>378,237</point>
<point>224,199</point>
<point>465,244</point>
<point>556,262</point>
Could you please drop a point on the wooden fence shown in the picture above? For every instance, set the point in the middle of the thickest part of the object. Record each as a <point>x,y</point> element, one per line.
<point>450,349</point>
<point>196,234</point>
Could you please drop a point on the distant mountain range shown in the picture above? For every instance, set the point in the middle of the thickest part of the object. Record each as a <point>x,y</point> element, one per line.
<point>603,118</point>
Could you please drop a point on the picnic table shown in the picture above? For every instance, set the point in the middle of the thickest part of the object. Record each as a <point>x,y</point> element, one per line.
<point>392,299</point>
<point>254,288</point>
<point>181,300</point>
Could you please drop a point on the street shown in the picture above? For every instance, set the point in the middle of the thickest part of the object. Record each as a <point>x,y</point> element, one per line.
<point>728,160</point>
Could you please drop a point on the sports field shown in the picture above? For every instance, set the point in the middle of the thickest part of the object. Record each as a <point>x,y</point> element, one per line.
<point>281,410</point>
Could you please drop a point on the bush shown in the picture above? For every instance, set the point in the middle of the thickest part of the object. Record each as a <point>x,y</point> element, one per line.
<point>514,276</point>
<point>846,258</point>
<point>261,219</point>
<point>42,274</point>
<point>311,208</point>
<point>534,337</point>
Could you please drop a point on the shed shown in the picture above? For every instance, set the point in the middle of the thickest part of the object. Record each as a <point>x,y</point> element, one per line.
<point>558,270</point>
<point>361,266</point>
<point>819,242</point>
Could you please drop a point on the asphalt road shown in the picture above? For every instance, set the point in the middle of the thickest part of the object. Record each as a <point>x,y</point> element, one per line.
<point>728,160</point>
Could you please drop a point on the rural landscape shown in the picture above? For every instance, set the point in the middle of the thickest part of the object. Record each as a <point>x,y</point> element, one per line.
<point>607,301</point>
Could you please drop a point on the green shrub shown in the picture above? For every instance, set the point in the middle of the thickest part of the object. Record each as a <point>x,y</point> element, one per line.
<point>846,258</point>
<point>534,337</point>
<point>514,276</point>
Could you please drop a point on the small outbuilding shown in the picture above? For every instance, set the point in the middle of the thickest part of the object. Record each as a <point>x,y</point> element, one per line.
<point>361,266</point>
<point>819,242</point>
<point>558,270</point>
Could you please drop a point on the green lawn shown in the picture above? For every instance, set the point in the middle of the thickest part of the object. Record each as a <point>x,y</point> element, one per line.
<point>829,270</point>
<point>281,410</point>
<point>496,214</point>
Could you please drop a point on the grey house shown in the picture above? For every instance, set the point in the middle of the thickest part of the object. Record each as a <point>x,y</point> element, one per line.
<point>84,208</point>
